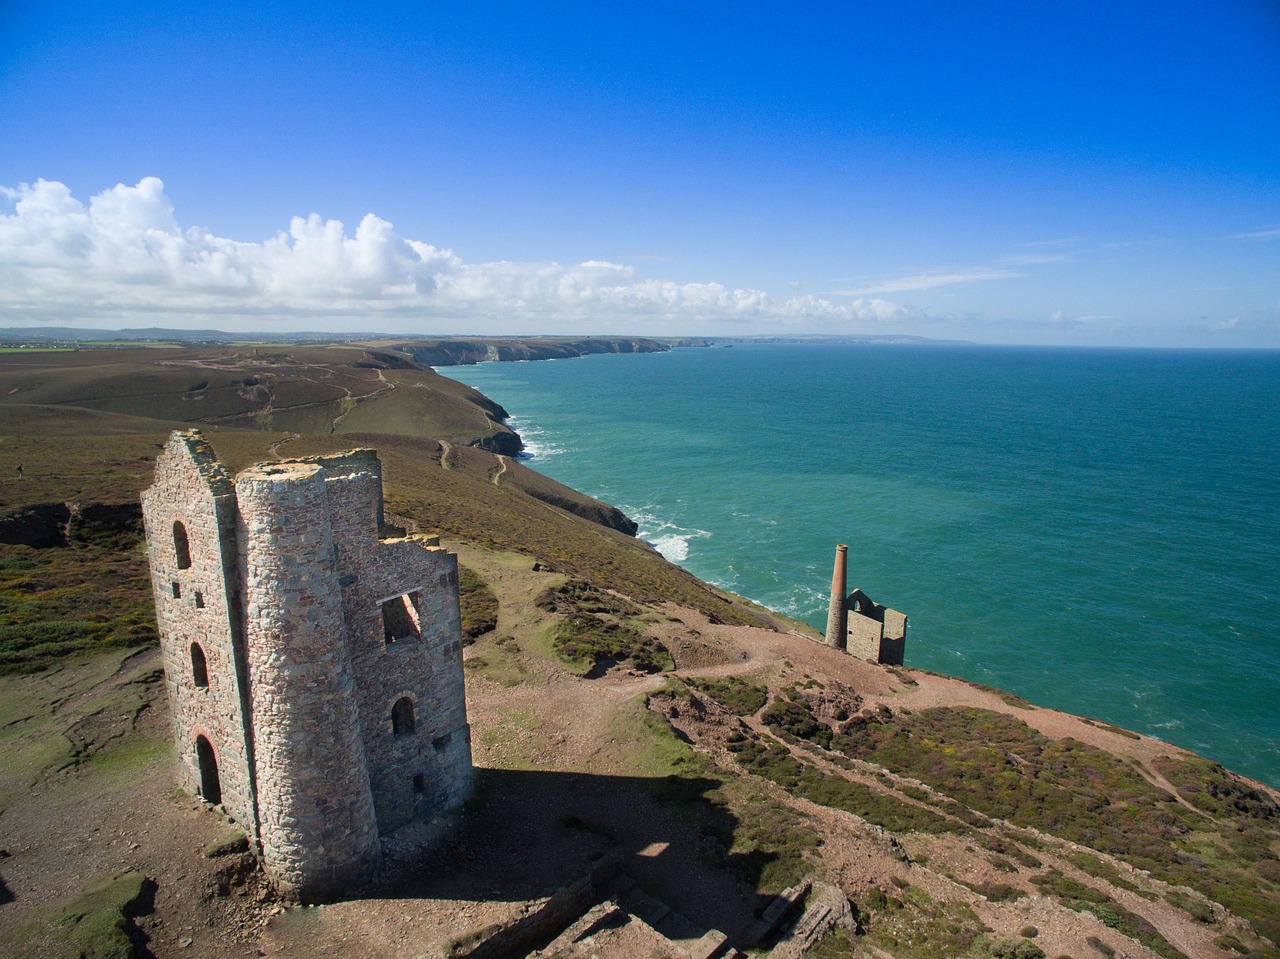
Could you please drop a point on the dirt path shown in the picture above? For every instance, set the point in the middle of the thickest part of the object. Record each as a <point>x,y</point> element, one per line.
<point>502,468</point>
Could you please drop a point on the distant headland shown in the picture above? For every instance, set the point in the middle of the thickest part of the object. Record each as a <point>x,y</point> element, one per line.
<point>431,349</point>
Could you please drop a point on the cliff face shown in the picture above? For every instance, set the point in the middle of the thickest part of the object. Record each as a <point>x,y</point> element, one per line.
<point>466,352</point>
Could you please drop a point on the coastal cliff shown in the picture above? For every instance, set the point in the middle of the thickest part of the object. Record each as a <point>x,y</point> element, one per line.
<point>469,351</point>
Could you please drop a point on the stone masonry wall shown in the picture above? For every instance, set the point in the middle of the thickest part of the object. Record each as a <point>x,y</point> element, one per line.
<point>190,488</point>
<point>864,636</point>
<point>421,773</point>
<point>893,641</point>
<point>319,834</point>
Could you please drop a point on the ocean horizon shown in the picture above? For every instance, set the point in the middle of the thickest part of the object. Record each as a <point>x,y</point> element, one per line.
<point>1096,530</point>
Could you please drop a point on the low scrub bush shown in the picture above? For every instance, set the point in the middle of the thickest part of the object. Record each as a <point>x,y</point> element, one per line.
<point>741,697</point>
<point>478,604</point>
<point>796,718</point>
<point>592,645</point>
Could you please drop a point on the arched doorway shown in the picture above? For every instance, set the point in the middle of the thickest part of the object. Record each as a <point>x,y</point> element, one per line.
<point>210,786</point>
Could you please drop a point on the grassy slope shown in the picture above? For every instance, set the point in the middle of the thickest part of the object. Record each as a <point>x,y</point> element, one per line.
<point>306,389</point>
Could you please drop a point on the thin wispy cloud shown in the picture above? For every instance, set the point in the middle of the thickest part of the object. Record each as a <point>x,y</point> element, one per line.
<point>1033,259</point>
<point>1271,233</point>
<point>124,255</point>
<point>1061,241</point>
<point>929,281</point>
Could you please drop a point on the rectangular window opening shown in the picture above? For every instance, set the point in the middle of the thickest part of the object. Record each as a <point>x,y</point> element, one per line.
<point>419,784</point>
<point>199,600</point>
<point>400,619</point>
<point>177,590</point>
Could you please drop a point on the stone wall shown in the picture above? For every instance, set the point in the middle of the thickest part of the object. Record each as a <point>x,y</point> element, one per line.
<point>864,636</point>
<point>196,609</point>
<point>420,772</point>
<point>893,642</point>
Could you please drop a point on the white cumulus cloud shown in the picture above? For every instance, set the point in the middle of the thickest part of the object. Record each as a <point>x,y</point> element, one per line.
<point>124,258</point>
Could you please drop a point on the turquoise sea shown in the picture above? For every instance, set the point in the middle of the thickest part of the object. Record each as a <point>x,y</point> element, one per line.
<point>1094,530</point>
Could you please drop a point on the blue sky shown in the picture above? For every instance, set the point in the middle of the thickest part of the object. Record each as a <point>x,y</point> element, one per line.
<point>1004,172</point>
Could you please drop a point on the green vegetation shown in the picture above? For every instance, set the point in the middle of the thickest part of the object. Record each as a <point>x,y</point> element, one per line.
<point>595,633</point>
<point>1111,727</point>
<point>68,600</point>
<point>775,762</point>
<point>78,716</point>
<point>97,924</point>
<point>1094,866</point>
<point>738,696</point>
<point>1016,949</point>
<point>836,944</point>
<point>119,405</point>
<point>89,433</point>
<point>576,597</point>
<point>1208,786</point>
<point>997,891</point>
<point>796,718</point>
<point>591,645</point>
<point>768,843</point>
<point>478,604</point>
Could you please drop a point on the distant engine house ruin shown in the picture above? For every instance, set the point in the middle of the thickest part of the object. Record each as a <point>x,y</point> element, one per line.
<point>863,628</point>
<point>314,669</point>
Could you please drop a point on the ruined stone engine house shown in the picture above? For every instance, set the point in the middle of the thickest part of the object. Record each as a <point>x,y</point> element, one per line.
<point>859,626</point>
<point>314,669</point>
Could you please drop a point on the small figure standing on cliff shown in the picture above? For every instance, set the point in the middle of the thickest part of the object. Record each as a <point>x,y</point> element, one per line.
<point>19,471</point>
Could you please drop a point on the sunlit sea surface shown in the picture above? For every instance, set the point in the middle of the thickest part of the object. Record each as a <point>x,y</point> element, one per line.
<point>1094,530</point>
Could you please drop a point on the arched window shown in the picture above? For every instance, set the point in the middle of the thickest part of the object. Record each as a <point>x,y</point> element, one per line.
<point>210,785</point>
<point>402,717</point>
<point>181,547</point>
<point>199,667</point>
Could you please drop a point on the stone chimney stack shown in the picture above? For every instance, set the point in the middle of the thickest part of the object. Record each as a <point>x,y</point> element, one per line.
<point>837,613</point>
<point>319,830</point>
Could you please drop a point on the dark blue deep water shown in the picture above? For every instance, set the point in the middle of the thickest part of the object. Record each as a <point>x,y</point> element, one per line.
<point>1095,530</point>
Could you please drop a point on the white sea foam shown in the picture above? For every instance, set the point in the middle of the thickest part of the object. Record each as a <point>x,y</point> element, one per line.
<point>537,442</point>
<point>667,538</point>
<point>800,601</point>
<point>673,547</point>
